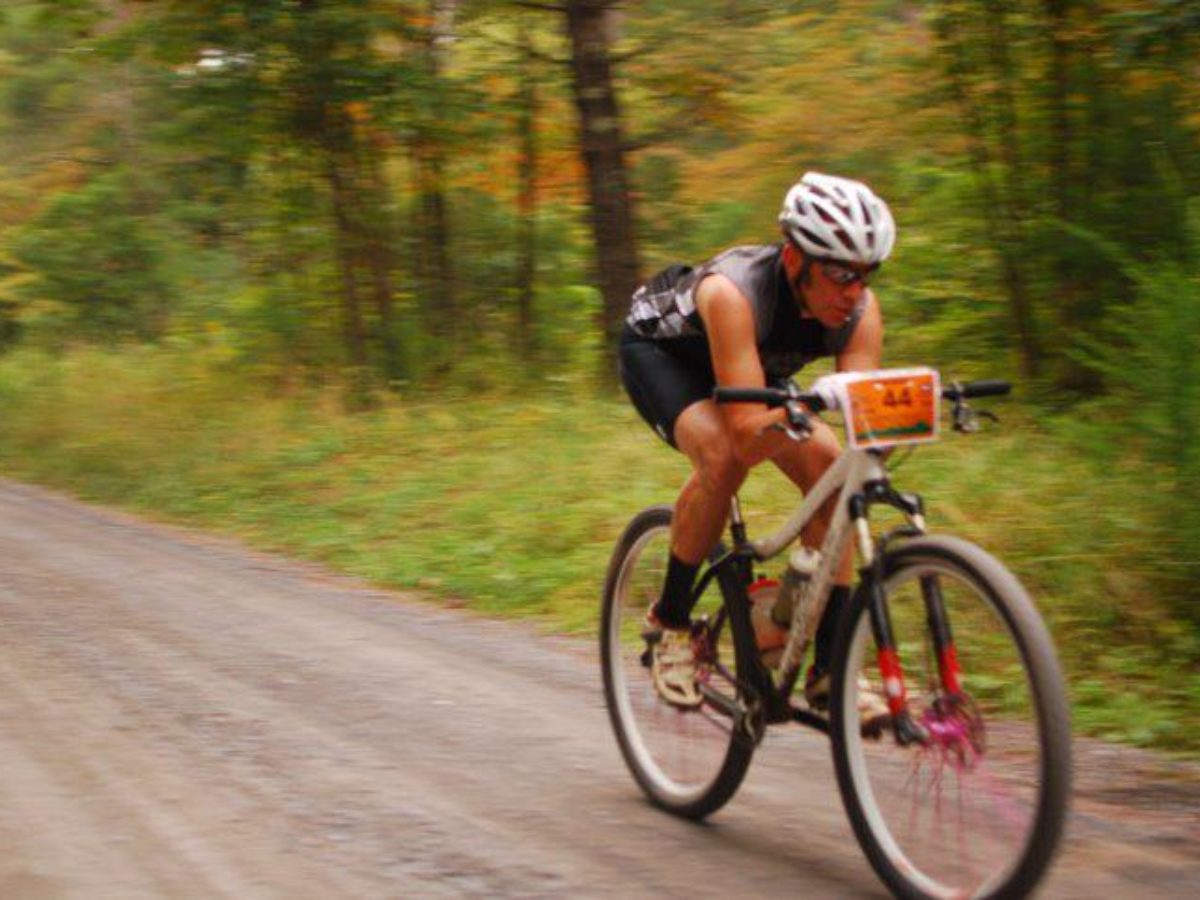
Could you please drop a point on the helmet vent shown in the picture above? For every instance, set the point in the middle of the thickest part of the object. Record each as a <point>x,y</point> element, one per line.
<point>815,238</point>
<point>839,218</point>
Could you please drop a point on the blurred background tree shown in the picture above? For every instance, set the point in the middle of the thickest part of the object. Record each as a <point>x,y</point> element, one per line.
<point>359,187</point>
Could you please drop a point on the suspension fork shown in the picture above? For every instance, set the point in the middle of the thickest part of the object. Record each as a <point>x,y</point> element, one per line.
<point>871,577</point>
<point>943,639</point>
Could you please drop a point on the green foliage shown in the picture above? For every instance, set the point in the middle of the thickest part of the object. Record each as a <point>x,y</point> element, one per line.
<point>41,70</point>
<point>98,261</point>
<point>1066,109</point>
<point>1147,354</point>
<point>12,279</point>
<point>236,112</point>
<point>943,304</point>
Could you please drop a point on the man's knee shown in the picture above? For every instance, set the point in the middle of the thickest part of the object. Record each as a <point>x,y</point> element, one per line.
<point>822,449</point>
<point>718,467</point>
<point>804,463</point>
<point>701,434</point>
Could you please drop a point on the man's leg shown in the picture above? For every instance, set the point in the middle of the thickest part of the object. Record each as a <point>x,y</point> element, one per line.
<point>703,505</point>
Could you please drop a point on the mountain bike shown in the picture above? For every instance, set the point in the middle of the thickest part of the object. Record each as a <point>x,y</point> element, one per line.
<point>962,790</point>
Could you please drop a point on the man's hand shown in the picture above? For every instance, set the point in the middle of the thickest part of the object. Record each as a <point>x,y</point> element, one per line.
<point>799,424</point>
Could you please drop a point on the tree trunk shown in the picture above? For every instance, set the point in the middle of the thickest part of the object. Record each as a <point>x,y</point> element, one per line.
<point>1057,23</point>
<point>436,275</point>
<point>527,200</point>
<point>379,257</point>
<point>343,213</point>
<point>1075,288</point>
<point>1000,205</point>
<point>604,158</point>
<point>358,188</point>
<point>1014,210</point>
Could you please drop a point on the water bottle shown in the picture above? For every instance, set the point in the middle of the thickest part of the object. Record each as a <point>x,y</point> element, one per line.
<point>794,596</point>
<point>764,594</point>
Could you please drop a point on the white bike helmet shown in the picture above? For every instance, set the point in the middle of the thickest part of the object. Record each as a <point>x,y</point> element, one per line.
<point>838,219</point>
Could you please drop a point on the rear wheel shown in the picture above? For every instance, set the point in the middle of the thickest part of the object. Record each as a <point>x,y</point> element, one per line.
<point>975,808</point>
<point>688,761</point>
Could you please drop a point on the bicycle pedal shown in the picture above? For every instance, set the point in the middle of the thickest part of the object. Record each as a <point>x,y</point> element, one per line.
<point>652,634</point>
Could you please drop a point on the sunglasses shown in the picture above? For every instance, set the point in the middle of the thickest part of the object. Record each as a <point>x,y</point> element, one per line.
<point>843,276</point>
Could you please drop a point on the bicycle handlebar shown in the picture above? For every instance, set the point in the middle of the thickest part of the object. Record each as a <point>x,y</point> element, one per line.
<point>769,396</point>
<point>991,388</point>
<point>780,396</point>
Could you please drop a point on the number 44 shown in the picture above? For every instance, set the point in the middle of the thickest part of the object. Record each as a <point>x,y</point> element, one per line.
<point>901,397</point>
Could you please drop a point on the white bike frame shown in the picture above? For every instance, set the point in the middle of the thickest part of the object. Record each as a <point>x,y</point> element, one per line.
<point>850,473</point>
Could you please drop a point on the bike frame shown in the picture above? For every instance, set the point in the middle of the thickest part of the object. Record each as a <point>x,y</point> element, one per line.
<point>859,479</point>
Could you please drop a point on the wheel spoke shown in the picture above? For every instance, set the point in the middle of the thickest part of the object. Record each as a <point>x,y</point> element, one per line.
<point>961,814</point>
<point>687,760</point>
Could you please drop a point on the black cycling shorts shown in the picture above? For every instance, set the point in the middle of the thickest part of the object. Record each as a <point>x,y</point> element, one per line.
<point>663,378</point>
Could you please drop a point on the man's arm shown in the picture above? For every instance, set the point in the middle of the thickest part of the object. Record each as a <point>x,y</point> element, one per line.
<point>864,350</point>
<point>729,323</point>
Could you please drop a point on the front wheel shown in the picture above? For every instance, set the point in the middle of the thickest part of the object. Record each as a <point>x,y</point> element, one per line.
<point>688,761</point>
<point>975,806</point>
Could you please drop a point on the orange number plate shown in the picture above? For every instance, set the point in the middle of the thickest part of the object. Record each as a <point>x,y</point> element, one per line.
<point>896,407</point>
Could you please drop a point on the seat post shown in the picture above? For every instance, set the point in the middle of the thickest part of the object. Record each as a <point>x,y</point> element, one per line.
<point>737,525</point>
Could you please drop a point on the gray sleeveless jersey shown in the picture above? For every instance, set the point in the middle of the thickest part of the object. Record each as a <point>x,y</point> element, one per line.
<point>665,309</point>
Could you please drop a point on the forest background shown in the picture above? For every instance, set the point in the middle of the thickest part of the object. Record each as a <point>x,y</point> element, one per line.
<point>342,277</point>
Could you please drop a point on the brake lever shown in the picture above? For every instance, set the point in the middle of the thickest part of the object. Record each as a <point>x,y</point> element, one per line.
<point>966,419</point>
<point>799,420</point>
<point>798,426</point>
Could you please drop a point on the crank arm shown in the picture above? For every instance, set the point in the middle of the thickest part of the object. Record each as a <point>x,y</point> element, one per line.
<point>747,724</point>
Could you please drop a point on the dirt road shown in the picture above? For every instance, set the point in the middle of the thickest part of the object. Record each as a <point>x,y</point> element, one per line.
<point>181,717</point>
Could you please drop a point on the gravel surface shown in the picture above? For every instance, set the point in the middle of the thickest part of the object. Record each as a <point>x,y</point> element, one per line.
<point>183,717</point>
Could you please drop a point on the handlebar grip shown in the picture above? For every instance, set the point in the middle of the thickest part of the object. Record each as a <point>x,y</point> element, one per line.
<point>986,389</point>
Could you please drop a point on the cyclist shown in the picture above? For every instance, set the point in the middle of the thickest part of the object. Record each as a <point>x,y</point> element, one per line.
<point>750,316</point>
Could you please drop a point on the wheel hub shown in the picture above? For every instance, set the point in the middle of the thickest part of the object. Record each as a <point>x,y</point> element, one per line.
<point>955,728</point>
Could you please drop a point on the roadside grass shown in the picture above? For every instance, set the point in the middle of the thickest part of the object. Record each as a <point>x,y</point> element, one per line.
<point>511,504</point>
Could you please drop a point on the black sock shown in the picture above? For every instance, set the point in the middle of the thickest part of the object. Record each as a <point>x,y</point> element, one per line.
<point>839,596</point>
<point>674,607</point>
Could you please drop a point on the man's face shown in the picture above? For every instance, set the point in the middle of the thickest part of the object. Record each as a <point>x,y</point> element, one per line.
<point>832,291</point>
